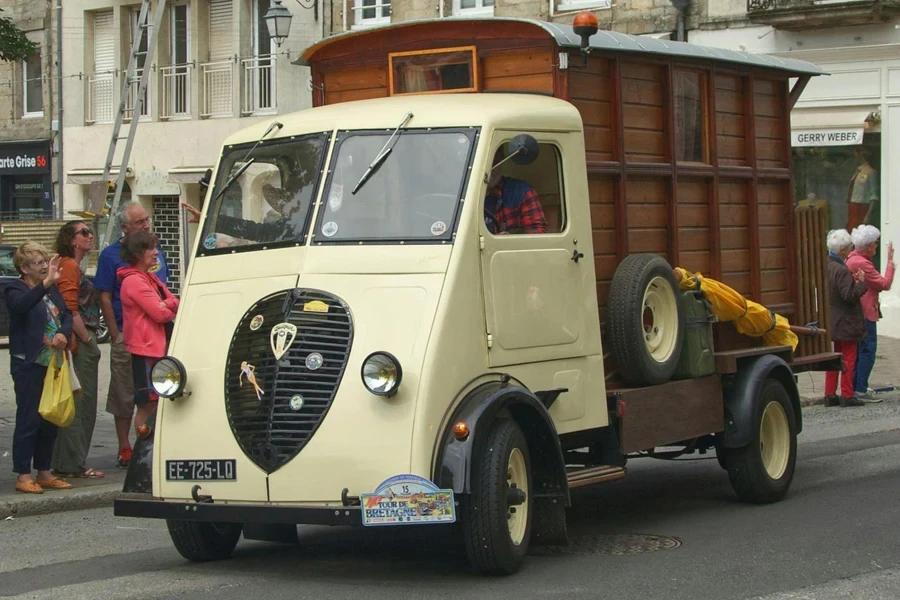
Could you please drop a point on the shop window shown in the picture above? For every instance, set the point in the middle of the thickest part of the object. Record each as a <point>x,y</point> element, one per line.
<point>538,185</point>
<point>690,117</point>
<point>371,12</point>
<point>434,71</point>
<point>33,86</point>
<point>471,8</point>
<point>843,180</point>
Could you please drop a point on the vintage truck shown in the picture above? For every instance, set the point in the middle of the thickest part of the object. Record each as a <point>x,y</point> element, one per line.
<point>364,339</point>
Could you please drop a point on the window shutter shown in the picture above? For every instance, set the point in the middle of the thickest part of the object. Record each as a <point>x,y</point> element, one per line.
<point>220,32</point>
<point>104,42</point>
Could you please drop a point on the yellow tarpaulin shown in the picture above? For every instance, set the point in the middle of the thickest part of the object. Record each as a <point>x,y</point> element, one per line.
<point>749,318</point>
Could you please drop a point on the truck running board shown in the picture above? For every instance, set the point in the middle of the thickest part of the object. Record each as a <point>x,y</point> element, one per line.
<point>582,477</point>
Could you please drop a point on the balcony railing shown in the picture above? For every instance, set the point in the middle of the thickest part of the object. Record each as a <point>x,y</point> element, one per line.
<point>176,92</point>
<point>217,80</point>
<point>813,14</point>
<point>259,85</point>
<point>100,98</point>
<point>132,98</point>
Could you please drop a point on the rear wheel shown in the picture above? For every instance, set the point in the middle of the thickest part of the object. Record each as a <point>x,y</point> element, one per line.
<point>203,542</point>
<point>645,328</point>
<point>762,471</point>
<point>497,524</point>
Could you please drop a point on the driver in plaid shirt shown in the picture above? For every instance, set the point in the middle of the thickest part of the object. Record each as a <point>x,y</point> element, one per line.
<point>512,205</point>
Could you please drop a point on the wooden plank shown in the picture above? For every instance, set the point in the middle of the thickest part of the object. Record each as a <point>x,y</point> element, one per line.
<point>692,215</point>
<point>737,280</point>
<point>735,238</point>
<point>694,261</point>
<point>355,79</point>
<point>514,65</point>
<point>645,143</point>
<point>640,92</point>
<point>734,215</point>
<point>644,239</point>
<point>589,87</point>
<point>645,191</point>
<point>730,125</point>
<point>733,148</point>
<point>727,360</point>
<point>648,215</point>
<point>643,117</point>
<point>753,212</point>
<point>619,120</point>
<point>641,71</point>
<point>668,413</point>
<point>729,103</point>
<point>594,112</point>
<point>538,82</point>
<point>598,139</point>
<point>350,95</point>
<point>672,187</point>
<point>802,305</point>
<point>693,239</point>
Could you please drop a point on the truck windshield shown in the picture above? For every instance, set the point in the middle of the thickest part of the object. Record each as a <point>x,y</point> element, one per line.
<point>414,195</point>
<point>269,200</point>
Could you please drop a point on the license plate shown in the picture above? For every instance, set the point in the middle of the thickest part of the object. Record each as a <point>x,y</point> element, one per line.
<point>221,469</point>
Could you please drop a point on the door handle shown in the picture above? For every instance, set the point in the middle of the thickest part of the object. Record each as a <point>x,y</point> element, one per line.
<point>576,255</point>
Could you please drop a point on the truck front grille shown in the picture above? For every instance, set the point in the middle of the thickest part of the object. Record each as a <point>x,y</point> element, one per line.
<point>268,428</point>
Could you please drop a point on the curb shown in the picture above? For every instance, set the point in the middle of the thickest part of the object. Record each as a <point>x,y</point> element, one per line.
<point>98,496</point>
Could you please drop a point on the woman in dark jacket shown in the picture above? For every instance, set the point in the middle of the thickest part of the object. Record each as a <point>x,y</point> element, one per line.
<point>39,324</point>
<point>847,323</point>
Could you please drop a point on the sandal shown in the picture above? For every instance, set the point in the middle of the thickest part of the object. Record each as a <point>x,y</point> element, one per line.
<point>29,487</point>
<point>124,457</point>
<point>86,474</point>
<point>55,484</point>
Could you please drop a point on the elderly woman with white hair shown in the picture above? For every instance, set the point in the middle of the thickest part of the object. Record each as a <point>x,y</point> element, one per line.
<point>847,324</point>
<point>866,238</point>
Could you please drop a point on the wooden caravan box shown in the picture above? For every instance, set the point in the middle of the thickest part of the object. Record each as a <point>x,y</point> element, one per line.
<point>688,148</point>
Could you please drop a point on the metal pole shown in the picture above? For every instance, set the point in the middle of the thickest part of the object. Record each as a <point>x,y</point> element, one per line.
<point>59,112</point>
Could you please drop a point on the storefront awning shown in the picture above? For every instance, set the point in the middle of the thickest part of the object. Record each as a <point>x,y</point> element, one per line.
<point>89,176</point>
<point>186,174</point>
<point>835,117</point>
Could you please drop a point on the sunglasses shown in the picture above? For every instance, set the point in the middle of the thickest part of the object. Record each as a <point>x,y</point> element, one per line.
<point>85,231</point>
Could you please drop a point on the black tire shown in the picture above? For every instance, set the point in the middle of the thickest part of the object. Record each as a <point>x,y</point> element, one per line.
<point>643,302</point>
<point>486,521</point>
<point>749,467</point>
<point>203,542</point>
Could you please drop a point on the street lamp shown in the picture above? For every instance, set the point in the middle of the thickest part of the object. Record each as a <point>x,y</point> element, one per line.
<point>278,22</point>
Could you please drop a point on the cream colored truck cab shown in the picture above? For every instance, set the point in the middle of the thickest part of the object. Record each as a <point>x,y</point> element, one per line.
<point>357,345</point>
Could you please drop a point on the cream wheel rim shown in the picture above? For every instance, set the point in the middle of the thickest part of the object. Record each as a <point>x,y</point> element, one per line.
<point>659,319</point>
<point>774,440</point>
<point>517,477</point>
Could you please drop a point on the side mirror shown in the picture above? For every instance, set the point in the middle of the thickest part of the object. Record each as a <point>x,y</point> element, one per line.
<point>522,149</point>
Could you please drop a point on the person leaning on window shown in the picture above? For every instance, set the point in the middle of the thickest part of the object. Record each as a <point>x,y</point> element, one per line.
<point>847,324</point>
<point>39,324</point>
<point>512,205</point>
<point>865,239</point>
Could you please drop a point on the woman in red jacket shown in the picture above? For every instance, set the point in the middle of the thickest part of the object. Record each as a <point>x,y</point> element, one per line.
<point>147,307</point>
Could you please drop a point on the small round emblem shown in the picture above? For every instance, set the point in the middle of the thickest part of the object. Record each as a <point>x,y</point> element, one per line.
<point>314,361</point>
<point>256,322</point>
<point>296,402</point>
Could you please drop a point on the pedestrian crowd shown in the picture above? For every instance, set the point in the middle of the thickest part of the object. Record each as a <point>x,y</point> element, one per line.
<point>854,285</point>
<point>54,313</point>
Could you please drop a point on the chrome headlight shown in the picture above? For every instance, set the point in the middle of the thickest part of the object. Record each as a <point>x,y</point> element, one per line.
<point>168,377</point>
<point>381,374</point>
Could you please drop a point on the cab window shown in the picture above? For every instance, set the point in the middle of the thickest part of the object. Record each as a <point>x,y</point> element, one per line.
<point>526,199</point>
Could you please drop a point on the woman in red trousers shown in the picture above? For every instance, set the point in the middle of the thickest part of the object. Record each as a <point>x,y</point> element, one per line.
<point>847,323</point>
<point>147,307</point>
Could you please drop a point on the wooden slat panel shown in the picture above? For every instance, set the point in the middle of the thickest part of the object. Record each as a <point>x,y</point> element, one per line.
<point>730,102</point>
<point>732,148</point>
<point>604,243</point>
<point>693,215</point>
<point>598,140</point>
<point>738,281</point>
<point>771,214</point>
<point>648,215</point>
<point>643,117</point>
<point>735,260</point>
<point>647,72</point>
<point>775,280</point>
<point>539,82</point>
<point>514,65</point>
<point>773,258</point>
<point>642,239</point>
<point>728,82</point>
<point>641,144</point>
<point>735,237</point>
<point>692,239</point>
<point>585,87</point>
<point>767,87</point>
<point>730,125</point>
<point>770,128</point>
<point>734,215</point>
<point>694,261</point>
<point>350,95</point>
<point>637,91</point>
<point>645,191</point>
<point>594,112</point>
<point>731,192</point>
<point>767,106</point>
<point>355,79</point>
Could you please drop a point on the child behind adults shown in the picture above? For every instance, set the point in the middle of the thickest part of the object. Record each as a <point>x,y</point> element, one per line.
<point>147,307</point>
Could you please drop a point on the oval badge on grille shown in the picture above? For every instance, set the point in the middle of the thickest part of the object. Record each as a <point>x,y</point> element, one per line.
<point>314,361</point>
<point>296,402</point>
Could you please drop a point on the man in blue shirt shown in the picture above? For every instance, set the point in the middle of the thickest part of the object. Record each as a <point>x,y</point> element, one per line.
<point>120,400</point>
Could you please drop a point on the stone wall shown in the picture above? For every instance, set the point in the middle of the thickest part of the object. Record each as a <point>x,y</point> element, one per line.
<point>37,18</point>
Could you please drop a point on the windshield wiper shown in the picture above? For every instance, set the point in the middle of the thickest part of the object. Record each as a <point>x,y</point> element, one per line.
<point>275,125</point>
<point>382,154</point>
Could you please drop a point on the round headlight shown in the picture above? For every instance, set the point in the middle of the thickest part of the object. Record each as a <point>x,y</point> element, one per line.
<point>168,377</point>
<point>381,374</point>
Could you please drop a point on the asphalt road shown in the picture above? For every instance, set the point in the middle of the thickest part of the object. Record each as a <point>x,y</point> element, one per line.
<point>835,536</point>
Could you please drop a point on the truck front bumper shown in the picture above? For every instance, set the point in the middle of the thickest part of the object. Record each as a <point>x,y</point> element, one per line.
<point>148,507</point>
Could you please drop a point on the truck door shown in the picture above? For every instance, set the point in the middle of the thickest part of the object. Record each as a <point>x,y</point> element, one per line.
<point>539,292</point>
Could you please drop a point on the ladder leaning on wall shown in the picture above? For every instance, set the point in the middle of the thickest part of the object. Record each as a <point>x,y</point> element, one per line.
<point>100,202</point>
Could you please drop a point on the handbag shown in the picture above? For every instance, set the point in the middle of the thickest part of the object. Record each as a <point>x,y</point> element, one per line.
<point>57,400</point>
<point>73,375</point>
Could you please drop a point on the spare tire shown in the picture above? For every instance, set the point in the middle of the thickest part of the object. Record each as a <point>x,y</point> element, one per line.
<point>645,325</point>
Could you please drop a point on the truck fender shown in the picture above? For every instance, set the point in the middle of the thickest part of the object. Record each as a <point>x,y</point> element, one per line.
<point>741,397</point>
<point>139,476</point>
<point>479,409</point>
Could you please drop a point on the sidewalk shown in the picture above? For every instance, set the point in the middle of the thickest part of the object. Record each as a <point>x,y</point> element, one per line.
<point>86,493</point>
<point>812,385</point>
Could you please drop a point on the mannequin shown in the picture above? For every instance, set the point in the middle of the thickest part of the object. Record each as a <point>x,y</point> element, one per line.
<point>862,194</point>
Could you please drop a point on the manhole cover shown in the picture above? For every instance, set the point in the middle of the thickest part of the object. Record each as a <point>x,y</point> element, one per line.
<point>623,544</point>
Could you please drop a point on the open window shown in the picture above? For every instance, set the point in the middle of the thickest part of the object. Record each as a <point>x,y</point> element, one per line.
<point>527,199</point>
<point>691,116</point>
<point>434,71</point>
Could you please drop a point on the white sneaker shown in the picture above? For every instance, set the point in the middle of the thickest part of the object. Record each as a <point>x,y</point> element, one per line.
<point>868,397</point>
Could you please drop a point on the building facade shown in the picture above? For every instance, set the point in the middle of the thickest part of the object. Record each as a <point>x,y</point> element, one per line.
<point>28,117</point>
<point>214,70</point>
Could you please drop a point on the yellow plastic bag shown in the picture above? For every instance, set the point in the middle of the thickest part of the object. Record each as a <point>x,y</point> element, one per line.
<point>57,401</point>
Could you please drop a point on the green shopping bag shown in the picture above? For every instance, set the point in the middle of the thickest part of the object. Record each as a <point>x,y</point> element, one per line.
<point>57,401</point>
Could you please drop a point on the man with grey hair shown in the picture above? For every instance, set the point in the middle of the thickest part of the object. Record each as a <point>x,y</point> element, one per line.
<point>132,216</point>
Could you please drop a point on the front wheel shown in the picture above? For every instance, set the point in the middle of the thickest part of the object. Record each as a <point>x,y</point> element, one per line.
<point>761,472</point>
<point>203,542</point>
<point>497,525</point>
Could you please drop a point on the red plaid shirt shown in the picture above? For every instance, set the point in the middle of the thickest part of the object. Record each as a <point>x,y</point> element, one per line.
<point>527,216</point>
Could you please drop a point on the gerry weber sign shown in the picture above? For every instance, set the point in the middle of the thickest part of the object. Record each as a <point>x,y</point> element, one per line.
<point>24,159</point>
<point>827,137</point>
